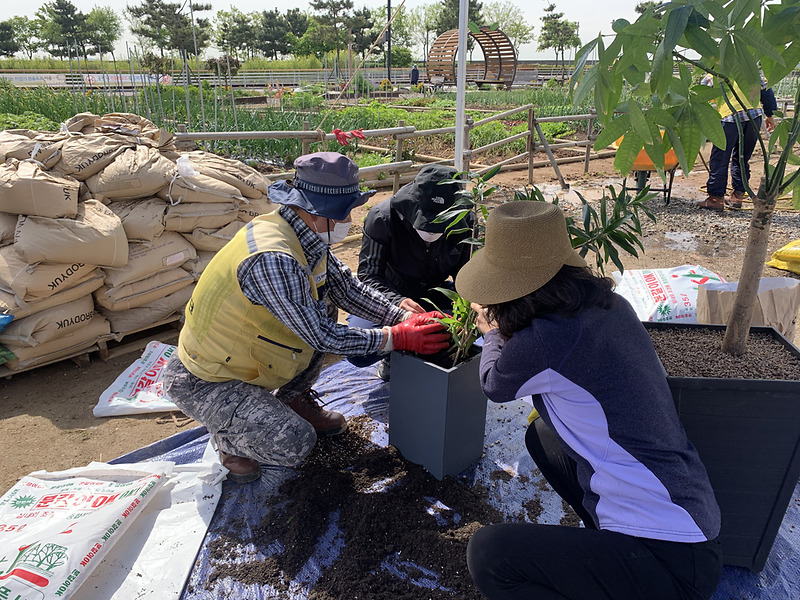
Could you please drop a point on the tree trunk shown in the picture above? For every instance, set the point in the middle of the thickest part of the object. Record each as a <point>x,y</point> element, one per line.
<point>755,254</point>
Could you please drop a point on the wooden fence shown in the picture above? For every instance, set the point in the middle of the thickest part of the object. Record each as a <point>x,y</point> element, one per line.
<point>401,171</point>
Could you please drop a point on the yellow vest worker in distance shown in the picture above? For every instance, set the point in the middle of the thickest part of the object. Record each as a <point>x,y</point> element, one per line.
<point>263,315</point>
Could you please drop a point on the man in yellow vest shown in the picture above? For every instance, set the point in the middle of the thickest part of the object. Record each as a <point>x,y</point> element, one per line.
<point>750,117</point>
<point>263,316</point>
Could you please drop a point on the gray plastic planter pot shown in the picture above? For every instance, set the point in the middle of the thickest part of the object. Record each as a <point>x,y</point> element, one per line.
<point>436,416</point>
<point>747,432</point>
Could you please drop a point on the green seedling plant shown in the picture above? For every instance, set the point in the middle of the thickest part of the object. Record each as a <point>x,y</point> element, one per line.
<point>617,225</point>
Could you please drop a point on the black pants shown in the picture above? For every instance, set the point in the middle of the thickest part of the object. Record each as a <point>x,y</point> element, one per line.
<point>720,159</point>
<point>525,561</point>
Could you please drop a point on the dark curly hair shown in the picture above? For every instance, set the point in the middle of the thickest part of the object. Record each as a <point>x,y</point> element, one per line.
<point>570,291</point>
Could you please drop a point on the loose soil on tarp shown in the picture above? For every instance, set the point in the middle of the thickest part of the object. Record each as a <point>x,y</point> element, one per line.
<point>388,509</point>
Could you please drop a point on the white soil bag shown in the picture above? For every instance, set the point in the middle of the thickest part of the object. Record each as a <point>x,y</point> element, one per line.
<point>139,389</point>
<point>664,295</point>
<point>169,251</point>
<point>57,527</point>
<point>12,305</point>
<point>145,291</point>
<point>49,324</point>
<point>186,217</point>
<point>249,182</point>
<point>143,220</point>
<point>8,223</point>
<point>199,264</point>
<point>96,235</point>
<point>31,283</point>
<point>80,339</point>
<point>141,317</point>
<point>136,173</point>
<point>255,208</point>
<point>27,189</point>
<point>213,240</point>
<point>86,155</point>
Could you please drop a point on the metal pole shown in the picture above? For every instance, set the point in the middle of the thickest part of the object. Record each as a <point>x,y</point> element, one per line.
<point>145,85</point>
<point>80,74</point>
<point>186,93</point>
<point>389,40</point>
<point>233,103</point>
<point>105,87</point>
<point>133,79</point>
<point>172,74</point>
<point>71,80</point>
<point>197,61</point>
<point>461,83</point>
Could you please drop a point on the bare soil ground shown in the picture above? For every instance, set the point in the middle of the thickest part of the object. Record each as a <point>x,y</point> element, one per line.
<point>46,413</point>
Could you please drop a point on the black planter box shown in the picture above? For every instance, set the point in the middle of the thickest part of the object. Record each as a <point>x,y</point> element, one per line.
<point>747,432</point>
<point>437,416</point>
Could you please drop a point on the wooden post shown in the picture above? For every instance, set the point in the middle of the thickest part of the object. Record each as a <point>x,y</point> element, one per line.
<point>531,145</point>
<point>468,122</point>
<point>306,143</point>
<point>398,156</point>
<point>589,136</point>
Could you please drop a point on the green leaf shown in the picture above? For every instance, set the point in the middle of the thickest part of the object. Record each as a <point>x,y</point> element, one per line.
<point>494,26</point>
<point>705,93</point>
<point>691,137</point>
<point>618,25</point>
<point>491,173</point>
<point>710,123</point>
<point>739,10</point>
<point>612,132</point>
<point>676,24</point>
<point>702,43</point>
<point>661,117</point>
<point>685,75</point>
<point>749,71</point>
<point>666,76</point>
<point>675,140</point>
<point>638,121</point>
<point>585,86</point>
<point>775,72</point>
<point>580,63</point>
<point>473,27</point>
<point>657,68</point>
<point>753,38</point>
<point>717,11</point>
<point>627,152</point>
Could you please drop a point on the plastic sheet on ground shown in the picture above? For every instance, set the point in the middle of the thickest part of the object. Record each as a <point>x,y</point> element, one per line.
<point>354,392</point>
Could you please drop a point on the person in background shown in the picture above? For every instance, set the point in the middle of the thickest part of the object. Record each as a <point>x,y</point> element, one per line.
<point>414,75</point>
<point>608,438</point>
<point>405,253</point>
<point>750,115</point>
<point>263,316</point>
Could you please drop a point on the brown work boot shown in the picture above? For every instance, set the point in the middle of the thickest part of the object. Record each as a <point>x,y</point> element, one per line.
<point>242,470</point>
<point>325,422</point>
<point>712,203</point>
<point>735,199</point>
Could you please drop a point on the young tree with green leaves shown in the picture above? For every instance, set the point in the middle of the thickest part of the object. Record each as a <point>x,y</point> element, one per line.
<point>728,41</point>
<point>8,46</point>
<point>61,27</point>
<point>557,33</point>
<point>448,15</point>
<point>106,29</point>
<point>360,27</point>
<point>333,16</point>
<point>510,20</point>
<point>236,32</point>
<point>273,32</point>
<point>422,21</point>
<point>26,34</point>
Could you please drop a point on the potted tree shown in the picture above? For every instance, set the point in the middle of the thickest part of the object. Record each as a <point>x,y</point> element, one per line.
<point>437,410</point>
<point>753,473</point>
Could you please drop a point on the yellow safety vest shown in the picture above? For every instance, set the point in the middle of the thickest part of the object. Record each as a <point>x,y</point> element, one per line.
<point>724,109</point>
<point>226,337</point>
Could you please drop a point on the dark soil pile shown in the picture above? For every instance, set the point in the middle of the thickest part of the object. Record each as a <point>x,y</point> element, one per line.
<point>697,352</point>
<point>399,523</point>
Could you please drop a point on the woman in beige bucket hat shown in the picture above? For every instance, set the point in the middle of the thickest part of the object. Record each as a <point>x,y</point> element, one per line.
<point>608,439</point>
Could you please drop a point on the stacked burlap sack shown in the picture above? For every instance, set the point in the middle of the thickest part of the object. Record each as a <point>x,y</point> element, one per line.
<point>105,228</point>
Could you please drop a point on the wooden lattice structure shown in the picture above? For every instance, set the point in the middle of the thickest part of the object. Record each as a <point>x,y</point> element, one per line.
<point>500,58</point>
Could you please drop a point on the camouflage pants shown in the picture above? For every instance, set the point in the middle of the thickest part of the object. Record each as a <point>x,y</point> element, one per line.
<point>245,419</point>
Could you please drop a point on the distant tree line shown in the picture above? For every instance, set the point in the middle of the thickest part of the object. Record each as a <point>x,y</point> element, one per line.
<point>162,28</point>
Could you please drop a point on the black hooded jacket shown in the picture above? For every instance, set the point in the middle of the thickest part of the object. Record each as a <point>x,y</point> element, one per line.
<point>396,261</point>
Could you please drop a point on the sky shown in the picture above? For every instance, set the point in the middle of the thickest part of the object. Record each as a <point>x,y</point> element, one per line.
<point>593,16</point>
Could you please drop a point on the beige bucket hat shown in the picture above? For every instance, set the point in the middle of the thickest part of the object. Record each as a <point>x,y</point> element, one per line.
<point>526,245</point>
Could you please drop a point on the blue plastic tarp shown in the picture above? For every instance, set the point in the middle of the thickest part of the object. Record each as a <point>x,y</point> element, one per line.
<point>354,392</point>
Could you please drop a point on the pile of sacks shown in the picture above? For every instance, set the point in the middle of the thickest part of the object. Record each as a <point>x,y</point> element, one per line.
<point>105,228</point>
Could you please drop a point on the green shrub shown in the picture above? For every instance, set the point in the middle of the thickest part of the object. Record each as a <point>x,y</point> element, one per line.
<point>27,120</point>
<point>302,100</point>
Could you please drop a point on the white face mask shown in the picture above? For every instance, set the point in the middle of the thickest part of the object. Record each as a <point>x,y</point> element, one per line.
<point>336,235</point>
<point>428,236</point>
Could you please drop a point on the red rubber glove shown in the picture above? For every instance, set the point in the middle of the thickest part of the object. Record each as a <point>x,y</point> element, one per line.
<point>421,334</point>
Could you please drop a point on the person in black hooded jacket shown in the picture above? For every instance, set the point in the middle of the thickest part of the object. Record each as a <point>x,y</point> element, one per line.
<point>405,254</point>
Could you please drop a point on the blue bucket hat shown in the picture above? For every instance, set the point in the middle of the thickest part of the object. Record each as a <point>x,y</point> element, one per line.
<point>325,184</point>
